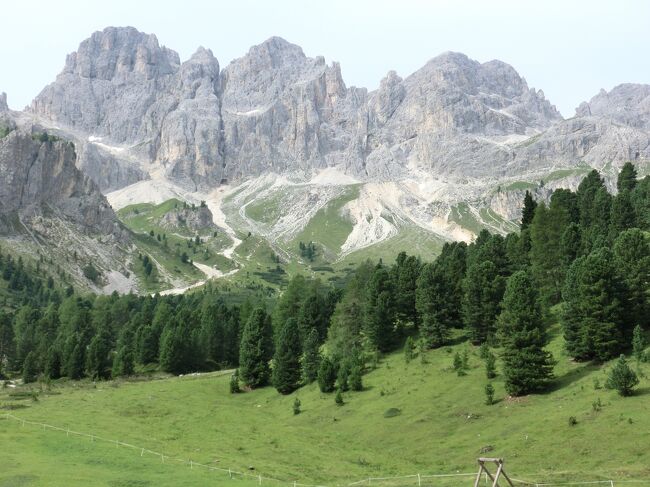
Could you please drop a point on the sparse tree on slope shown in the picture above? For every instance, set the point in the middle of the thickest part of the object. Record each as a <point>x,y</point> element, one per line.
<point>255,350</point>
<point>286,361</point>
<point>527,367</point>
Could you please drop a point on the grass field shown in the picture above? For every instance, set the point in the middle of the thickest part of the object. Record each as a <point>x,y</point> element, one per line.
<point>441,426</point>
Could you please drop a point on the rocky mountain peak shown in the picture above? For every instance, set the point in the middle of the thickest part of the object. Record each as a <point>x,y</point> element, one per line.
<point>121,52</point>
<point>627,103</point>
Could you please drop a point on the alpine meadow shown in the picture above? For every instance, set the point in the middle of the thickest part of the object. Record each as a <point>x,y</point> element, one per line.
<point>258,275</point>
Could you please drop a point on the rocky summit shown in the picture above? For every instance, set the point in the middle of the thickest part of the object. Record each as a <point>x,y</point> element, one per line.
<point>276,138</point>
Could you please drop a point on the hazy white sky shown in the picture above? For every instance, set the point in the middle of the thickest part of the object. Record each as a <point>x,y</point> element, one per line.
<point>568,48</point>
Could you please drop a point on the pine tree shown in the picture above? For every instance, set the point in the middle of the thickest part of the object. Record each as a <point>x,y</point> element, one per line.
<point>483,290</point>
<point>30,368</point>
<point>406,271</point>
<point>638,344</point>
<point>593,312</point>
<point>626,178</point>
<point>326,375</point>
<point>546,232</point>
<point>355,379</point>
<point>490,365</point>
<point>527,367</point>
<point>286,361</point>
<point>622,215</point>
<point>622,378</point>
<point>311,357</point>
<point>124,361</point>
<point>632,262</point>
<point>255,350</point>
<point>339,398</point>
<point>379,322</point>
<point>234,382</point>
<point>98,359</point>
<point>296,406</point>
<point>528,211</point>
<point>489,394</point>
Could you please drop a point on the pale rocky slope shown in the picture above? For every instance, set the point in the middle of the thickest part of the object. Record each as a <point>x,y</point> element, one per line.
<point>455,132</point>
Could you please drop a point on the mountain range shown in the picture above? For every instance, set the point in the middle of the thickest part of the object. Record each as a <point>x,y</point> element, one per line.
<point>276,141</point>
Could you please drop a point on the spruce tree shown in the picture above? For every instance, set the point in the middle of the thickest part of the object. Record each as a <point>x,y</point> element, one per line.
<point>339,398</point>
<point>234,382</point>
<point>483,290</point>
<point>632,263</point>
<point>626,180</point>
<point>527,367</point>
<point>490,365</point>
<point>355,379</point>
<point>30,368</point>
<point>594,304</point>
<point>638,344</point>
<point>528,210</point>
<point>124,361</point>
<point>98,359</point>
<point>286,361</point>
<point>379,322</point>
<point>622,378</point>
<point>255,350</point>
<point>311,357</point>
<point>326,375</point>
<point>296,406</point>
<point>489,394</point>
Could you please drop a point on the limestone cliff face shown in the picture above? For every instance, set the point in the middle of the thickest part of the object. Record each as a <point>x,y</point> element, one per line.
<point>135,111</point>
<point>39,177</point>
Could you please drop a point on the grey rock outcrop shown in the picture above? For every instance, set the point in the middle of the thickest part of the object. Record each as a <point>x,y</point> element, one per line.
<point>38,176</point>
<point>198,219</point>
<point>3,102</point>
<point>136,111</point>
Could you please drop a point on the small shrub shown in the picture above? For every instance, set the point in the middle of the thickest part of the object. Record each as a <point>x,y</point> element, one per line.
<point>622,378</point>
<point>597,384</point>
<point>572,421</point>
<point>234,383</point>
<point>296,406</point>
<point>458,365</point>
<point>489,394</point>
<point>597,405</point>
<point>490,365</point>
<point>339,398</point>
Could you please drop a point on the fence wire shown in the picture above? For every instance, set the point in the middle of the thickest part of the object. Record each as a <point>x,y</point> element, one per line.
<point>419,480</point>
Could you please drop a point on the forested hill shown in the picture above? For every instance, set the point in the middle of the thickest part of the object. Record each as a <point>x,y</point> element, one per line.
<point>584,257</point>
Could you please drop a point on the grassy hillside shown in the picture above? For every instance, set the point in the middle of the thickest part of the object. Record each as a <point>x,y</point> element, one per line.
<point>440,424</point>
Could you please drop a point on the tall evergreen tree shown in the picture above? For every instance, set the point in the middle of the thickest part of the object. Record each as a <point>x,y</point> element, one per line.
<point>593,312</point>
<point>256,350</point>
<point>632,262</point>
<point>528,210</point>
<point>311,357</point>
<point>626,178</point>
<point>622,216</point>
<point>483,290</point>
<point>327,375</point>
<point>379,323</point>
<point>527,367</point>
<point>286,361</point>
<point>407,270</point>
<point>546,233</point>
<point>98,359</point>
<point>436,305</point>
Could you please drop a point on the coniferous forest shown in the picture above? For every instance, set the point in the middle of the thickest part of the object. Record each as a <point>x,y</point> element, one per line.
<point>583,258</point>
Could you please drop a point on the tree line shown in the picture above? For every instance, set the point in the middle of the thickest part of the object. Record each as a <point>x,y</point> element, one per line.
<point>584,256</point>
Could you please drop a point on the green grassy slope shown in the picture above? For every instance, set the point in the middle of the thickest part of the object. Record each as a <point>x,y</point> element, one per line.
<point>443,426</point>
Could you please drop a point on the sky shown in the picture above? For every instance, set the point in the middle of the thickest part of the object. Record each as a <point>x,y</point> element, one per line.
<point>570,49</point>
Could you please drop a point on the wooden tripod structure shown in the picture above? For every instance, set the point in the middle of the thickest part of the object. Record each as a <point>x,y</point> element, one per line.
<point>499,474</point>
